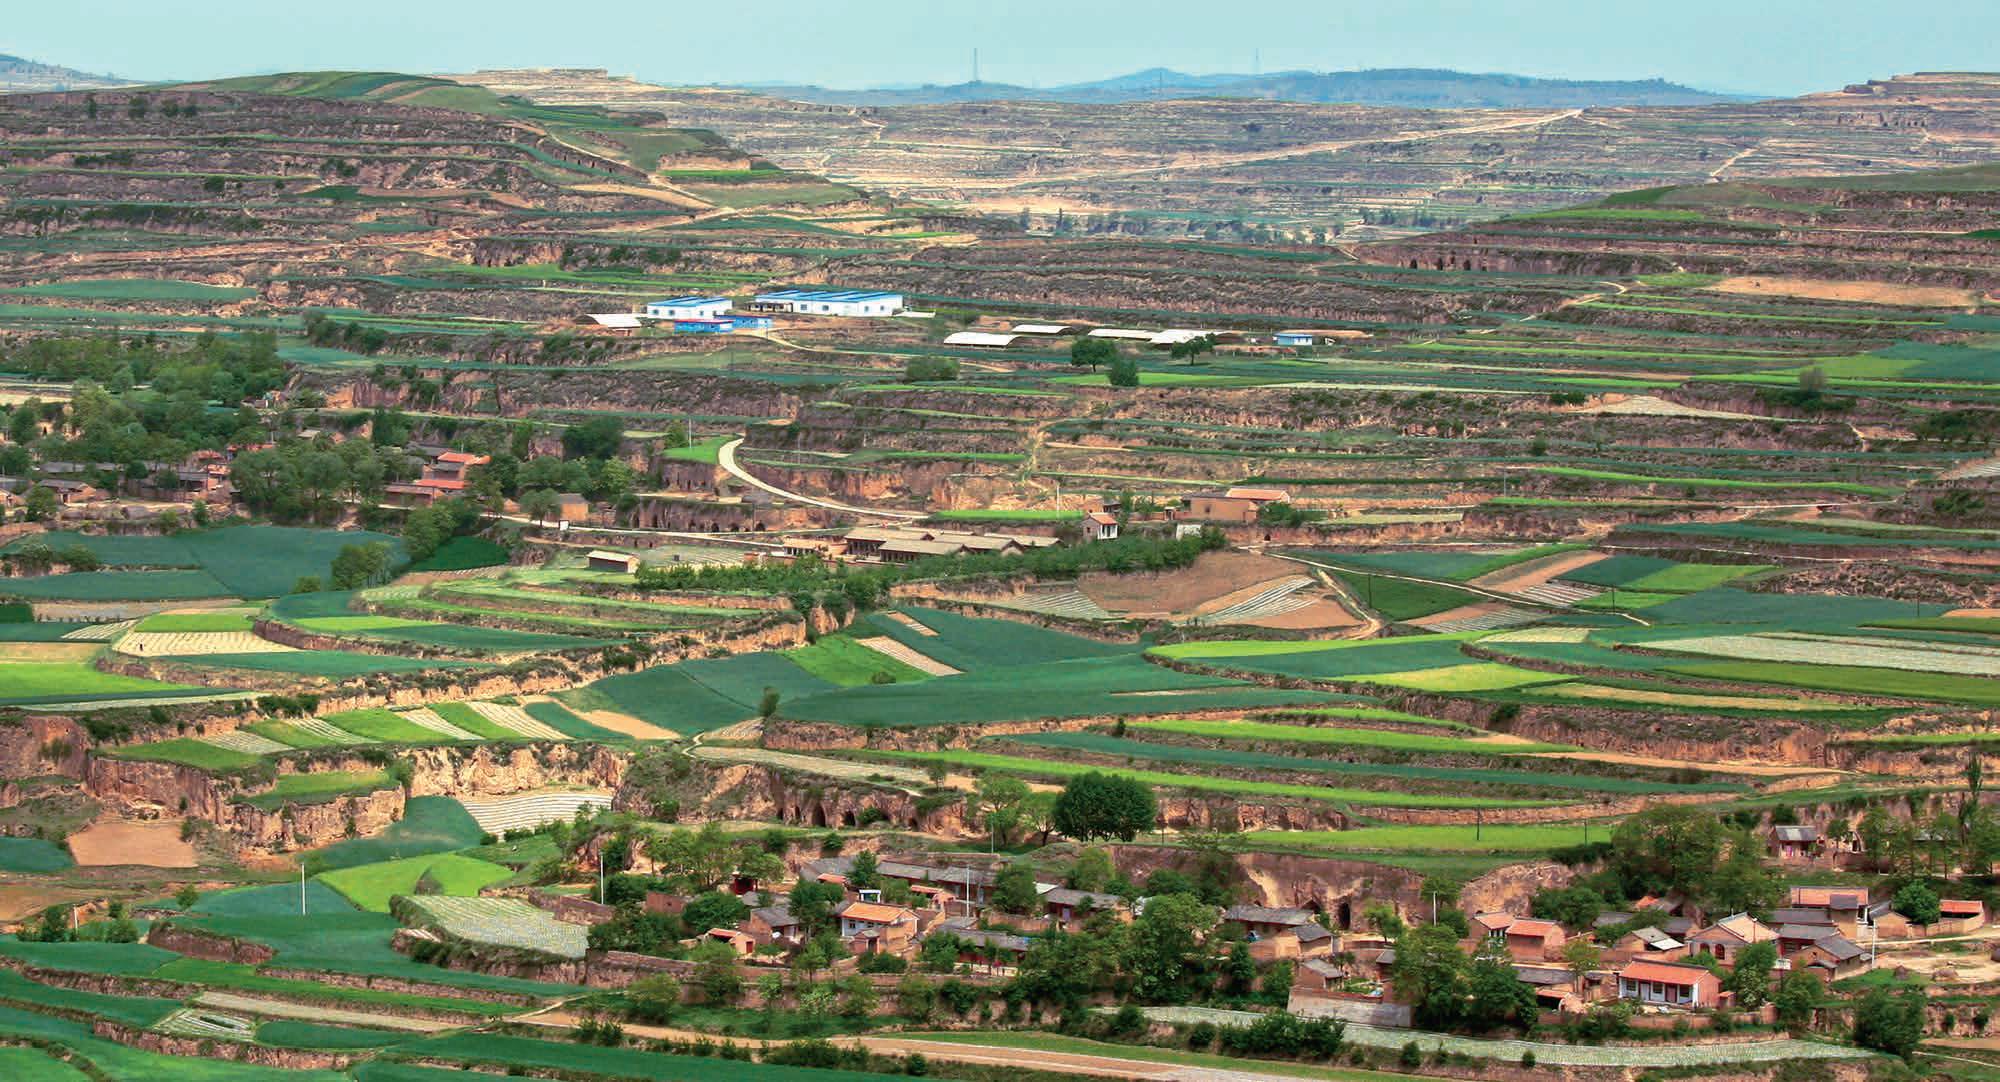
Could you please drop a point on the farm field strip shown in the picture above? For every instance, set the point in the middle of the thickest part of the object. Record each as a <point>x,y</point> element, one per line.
<point>247,743</point>
<point>813,764</point>
<point>526,811</point>
<point>1816,652</point>
<point>322,728</point>
<point>425,717</point>
<point>210,1024</point>
<point>262,1007</point>
<point>1275,600</point>
<point>197,643</point>
<point>105,632</point>
<point>1693,700</point>
<point>513,717</point>
<point>1315,734</point>
<point>1015,764</point>
<point>504,922</point>
<point>1495,618</point>
<point>896,651</point>
<point>1521,773</point>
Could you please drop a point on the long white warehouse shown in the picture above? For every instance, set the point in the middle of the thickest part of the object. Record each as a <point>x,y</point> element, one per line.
<point>834,302</point>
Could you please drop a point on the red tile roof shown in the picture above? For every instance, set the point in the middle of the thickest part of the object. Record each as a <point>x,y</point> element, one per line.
<point>1663,973</point>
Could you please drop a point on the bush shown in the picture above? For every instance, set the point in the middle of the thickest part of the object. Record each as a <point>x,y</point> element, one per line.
<point>1411,1057</point>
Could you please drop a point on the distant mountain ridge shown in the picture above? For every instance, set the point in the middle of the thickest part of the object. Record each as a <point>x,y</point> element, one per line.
<point>1423,88</point>
<point>19,75</point>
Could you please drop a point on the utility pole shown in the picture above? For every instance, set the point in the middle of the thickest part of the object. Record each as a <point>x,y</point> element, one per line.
<point>302,888</point>
<point>975,65</point>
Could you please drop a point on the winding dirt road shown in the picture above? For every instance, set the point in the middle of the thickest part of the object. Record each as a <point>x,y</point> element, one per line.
<point>725,456</point>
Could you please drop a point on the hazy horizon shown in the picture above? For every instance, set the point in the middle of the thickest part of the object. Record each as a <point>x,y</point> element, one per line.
<point>1782,47</point>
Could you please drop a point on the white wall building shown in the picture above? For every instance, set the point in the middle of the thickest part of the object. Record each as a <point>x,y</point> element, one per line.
<point>834,302</point>
<point>688,308</point>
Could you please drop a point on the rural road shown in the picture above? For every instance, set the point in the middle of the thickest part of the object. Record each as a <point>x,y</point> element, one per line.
<point>725,456</point>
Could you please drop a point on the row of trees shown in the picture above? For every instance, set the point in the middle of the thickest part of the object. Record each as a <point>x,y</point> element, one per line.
<point>810,578</point>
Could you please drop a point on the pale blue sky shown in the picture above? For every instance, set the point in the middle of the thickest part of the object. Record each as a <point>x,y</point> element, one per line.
<point>1765,46</point>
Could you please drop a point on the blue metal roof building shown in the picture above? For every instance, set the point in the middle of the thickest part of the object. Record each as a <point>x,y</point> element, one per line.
<point>830,302</point>
<point>688,308</point>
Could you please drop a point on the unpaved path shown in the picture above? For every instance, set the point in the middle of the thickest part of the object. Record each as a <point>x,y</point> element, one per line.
<point>725,456</point>
<point>278,1008</point>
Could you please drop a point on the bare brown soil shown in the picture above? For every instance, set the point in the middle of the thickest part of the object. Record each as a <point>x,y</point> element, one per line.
<point>152,843</point>
<point>1325,613</point>
<point>1463,612</point>
<point>627,724</point>
<point>19,901</point>
<point>1211,577</point>
<point>1821,289</point>
<point>1534,573</point>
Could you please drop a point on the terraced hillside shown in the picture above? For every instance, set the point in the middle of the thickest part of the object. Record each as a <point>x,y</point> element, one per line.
<point>1220,168</point>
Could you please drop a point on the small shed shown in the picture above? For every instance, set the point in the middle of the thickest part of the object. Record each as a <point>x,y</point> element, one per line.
<point>606,560</point>
<point>1297,339</point>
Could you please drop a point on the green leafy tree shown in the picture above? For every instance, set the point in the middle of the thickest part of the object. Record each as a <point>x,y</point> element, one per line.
<point>1581,956</point>
<point>1092,352</point>
<point>356,566</point>
<point>1124,372</point>
<point>538,504</point>
<point>1918,902</point>
<point>1164,955</point>
<point>1092,870</point>
<point>41,504</point>
<point>715,909</point>
<point>1098,805</point>
<point>1796,997</point>
<point>1000,798</point>
<point>1429,974</point>
<point>811,903</point>
<point>1495,996</point>
<point>654,999</point>
<point>716,973</point>
<point>599,437</point>
<point>1667,848</point>
<point>1014,889</point>
<point>1888,1022</point>
<point>1751,978</point>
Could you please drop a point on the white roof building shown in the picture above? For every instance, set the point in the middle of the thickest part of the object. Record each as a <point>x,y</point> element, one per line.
<point>1127,335</point>
<point>983,339</point>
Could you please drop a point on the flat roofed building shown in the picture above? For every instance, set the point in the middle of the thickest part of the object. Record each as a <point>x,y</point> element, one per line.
<point>830,302</point>
<point>688,308</point>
